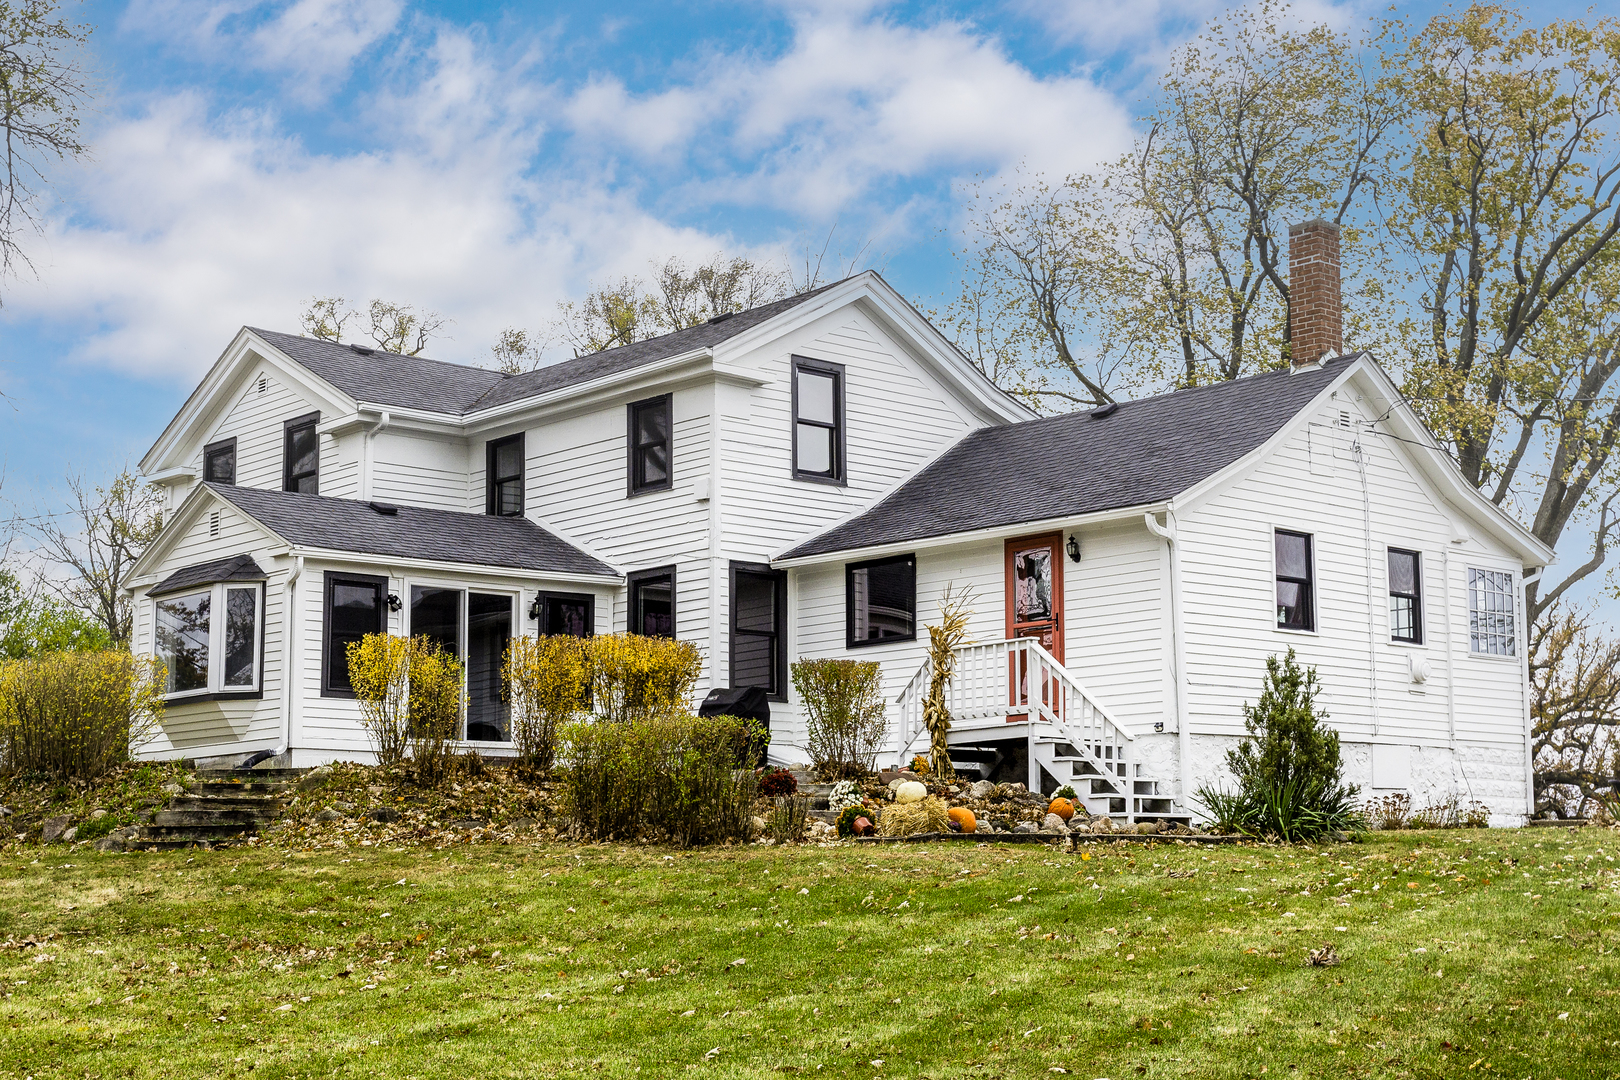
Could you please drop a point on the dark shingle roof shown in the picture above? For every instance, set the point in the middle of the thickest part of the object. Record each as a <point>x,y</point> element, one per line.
<point>1147,451</point>
<point>235,568</point>
<point>415,382</point>
<point>412,532</point>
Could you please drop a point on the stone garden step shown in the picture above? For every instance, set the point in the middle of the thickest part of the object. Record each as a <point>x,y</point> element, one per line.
<point>251,775</point>
<point>211,818</point>
<point>253,803</point>
<point>215,831</point>
<point>238,789</point>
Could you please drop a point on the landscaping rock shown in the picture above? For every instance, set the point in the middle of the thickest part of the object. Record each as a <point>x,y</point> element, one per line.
<point>1053,823</point>
<point>315,778</point>
<point>110,843</point>
<point>910,791</point>
<point>384,814</point>
<point>1026,827</point>
<point>1102,825</point>
<point>346,807</point>
<point>54,828</point>
<point>467,824</point>
<point>522,824</point>
<point>1145,828</point>
<point>757,823</point>
<point>172,788</point>
<point>71,835</point>
<point>97,815</point>
<point>329,814</point>
<point>981,789</point>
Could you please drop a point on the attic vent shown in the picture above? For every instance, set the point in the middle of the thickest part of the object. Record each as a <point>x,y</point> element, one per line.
<point>386,509</point>
<point>1344,418</point>
<point>264,384</point>
<point>213,523</point>
<point>363,350</point>
<point>1102,411</point>
<point>723,316</point>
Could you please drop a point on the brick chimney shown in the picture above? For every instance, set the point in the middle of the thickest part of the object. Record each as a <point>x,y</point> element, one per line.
<point>1315,311</point>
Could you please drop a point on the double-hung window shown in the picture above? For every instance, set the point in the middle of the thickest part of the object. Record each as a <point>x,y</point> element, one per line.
<point>758,627</point>
<point>567,614</point>
<point>651,423</point>
<point>355,607</point>
<point>503,476</point>
<point>1491,612</point>
<point>652,602</point>
<point>301,455</point>
<point>210,639</point>
<point>1405,596</point>
<point>219,462</point>
<point>1296,589</point>
<point>880,601</point>
<point>818,421</point>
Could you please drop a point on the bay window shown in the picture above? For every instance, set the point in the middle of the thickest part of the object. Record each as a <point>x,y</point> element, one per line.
<point>210,639</point>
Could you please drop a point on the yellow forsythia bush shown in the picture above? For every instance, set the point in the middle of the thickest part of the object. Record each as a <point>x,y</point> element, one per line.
<point>548,683</point>
<point>633,676</point>
<point>77,714</point>
<point>409,691</point>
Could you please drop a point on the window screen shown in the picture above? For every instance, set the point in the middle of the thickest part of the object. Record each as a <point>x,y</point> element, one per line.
<point>219,462</point>
<point>354,608</point>
<point>570,614</point>
<point>758,618</point>
<point>503,472</point>
<point>818,420</point>
<point>652,602</point>
<point>301,456</point>
<point>1405,596</point>
<point>650,423</point>
<point>1296,609</point>
<point>1490,612</point>
<point>880,601</point>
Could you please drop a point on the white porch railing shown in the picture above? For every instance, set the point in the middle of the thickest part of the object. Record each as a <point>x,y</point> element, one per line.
<point>1015,681</point>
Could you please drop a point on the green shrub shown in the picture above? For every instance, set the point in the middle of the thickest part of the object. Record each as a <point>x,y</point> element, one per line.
<point>844,714</point>
<point>1288,770</point>
<point>678,777</point>
<point>788,820</point>
<point>75,715</point>
<point>847,816</point>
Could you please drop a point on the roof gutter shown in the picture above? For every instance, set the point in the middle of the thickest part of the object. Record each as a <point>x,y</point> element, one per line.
<point>439,566</point>
<point>998,532</point>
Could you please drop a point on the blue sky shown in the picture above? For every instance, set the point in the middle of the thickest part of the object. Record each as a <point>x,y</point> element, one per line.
<point>488,160</point>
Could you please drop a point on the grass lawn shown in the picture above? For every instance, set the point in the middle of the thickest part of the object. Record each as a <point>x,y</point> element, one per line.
<point>1465,954</point>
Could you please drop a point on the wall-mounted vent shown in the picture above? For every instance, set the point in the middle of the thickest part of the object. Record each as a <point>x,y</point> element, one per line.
<point>213,523</point>
<point>264,384</point>
<point>1344,418</point>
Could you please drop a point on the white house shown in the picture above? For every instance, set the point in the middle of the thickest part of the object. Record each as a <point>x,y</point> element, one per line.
<point>806,478</point>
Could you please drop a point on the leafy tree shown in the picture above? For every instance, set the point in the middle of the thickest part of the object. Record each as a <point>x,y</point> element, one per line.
<point>42,91</point>
<point>98,540</point>
<point>395,328</point>
<point>1575,715</point>
<point>33,622</point>
<point>516,351</point>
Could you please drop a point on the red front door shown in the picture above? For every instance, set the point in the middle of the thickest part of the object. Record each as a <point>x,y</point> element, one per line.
<point>1034,604</point>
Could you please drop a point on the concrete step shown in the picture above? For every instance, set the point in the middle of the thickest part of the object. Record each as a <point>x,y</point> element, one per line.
<point>215,788</point>
<point>210,818</point>
<point>219,831</point>
<point>251,803</point>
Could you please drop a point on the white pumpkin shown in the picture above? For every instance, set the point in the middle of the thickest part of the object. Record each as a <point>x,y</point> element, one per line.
<point>909,792</point>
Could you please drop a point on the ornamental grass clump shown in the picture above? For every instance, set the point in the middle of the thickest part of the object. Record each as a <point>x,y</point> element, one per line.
<point>76,715</point>
<point>844,714</point>
<point>1288,770</point>
<point>548,682</point>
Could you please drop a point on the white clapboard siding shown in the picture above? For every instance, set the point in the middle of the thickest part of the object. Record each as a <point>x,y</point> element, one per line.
<point>1116,617</point>
<point>256,420</point>
<point>420,471</point>
<point>1229,600</point>
<point>204,729</point>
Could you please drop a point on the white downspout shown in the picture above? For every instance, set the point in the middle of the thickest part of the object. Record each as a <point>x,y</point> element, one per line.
<point>1372,594</point>
<point>1451,632</point>
<point>363,488</point>
<point>1525,581</point>
<point>1178,649</point>
<point>289,650</point>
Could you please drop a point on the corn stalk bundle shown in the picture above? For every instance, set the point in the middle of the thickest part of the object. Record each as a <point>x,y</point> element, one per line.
<point>943,641</point>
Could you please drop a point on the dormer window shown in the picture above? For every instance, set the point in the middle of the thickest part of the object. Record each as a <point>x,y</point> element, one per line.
<point>219,462</point>
<point>301,455</point>
<point>503,476</point>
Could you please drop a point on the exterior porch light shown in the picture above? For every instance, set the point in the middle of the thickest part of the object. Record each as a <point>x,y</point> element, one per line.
<point>534,608</point>
<point>394,602</point>
<point>1073,548</point>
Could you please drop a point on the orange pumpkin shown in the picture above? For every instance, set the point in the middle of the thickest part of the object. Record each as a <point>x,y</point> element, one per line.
<point>964,818</point>
<point>1063,808</point>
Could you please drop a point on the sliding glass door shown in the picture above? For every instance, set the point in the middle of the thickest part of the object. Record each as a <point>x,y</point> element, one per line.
<point>476,628</point>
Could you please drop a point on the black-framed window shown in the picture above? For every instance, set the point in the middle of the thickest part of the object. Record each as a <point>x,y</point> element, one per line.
<point>570,614</point>
<point>219,462</point>
<point>759,628</point>
<point>818,421</point>
<point>301,455</point>
<point>1296,599</point>
<point>880,601</point>
<point>503,476</point>
<point>356,605</point>
<point>652,602</point>
<point>1405,596</point>
<point>651,439</point>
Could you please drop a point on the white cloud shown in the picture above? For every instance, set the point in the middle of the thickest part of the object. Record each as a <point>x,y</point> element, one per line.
<point>490,191</point>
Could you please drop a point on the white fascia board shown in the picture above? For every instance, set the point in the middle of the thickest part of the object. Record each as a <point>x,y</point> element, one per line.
<point>1436,465</point>
<point>196,501</point>
<point>439,566</point>
<point>180,474</point>
<point>245,349</point>
<point>880,300</point>
<point>697,365</point>
<point>999,532</point>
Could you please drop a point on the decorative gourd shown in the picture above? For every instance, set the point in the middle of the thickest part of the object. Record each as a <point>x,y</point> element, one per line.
<point>911,791</point>
<point>964,819</point>
<point>1063,808</point>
